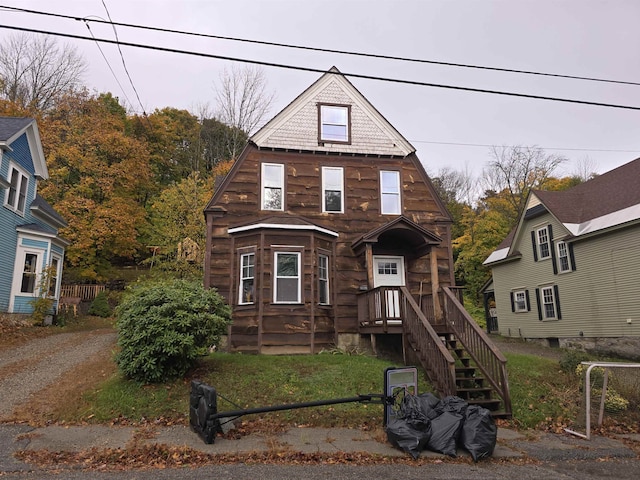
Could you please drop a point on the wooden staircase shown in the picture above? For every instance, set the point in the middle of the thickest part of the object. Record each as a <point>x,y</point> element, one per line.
<point>458,357</point>
<point>470,384</point>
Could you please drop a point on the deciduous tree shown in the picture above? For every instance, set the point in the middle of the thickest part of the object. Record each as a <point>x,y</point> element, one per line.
<point>99,177</point>
<point>35,72</point>
<point>243,102</point>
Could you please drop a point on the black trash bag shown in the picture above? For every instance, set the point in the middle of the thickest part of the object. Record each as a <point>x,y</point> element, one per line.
<point>429,404</point>
<point>412,411</point>
<point>453,404</point>
<point>445,431</point>
<point>479,432</point>
<point>402,434</point>
<point>410,429</point>
<point>203,404</point>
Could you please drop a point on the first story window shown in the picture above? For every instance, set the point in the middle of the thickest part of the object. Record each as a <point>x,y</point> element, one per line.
<point>548,303</point>
<point>390,192</point>
<point>332,189</point>
<point>29,273</point>
<point>16,198</point>
<point>323,280</point>
<point>247,279</point>
<point>287,277</point>
<point>272,186</point>
<point>334,123</point>
<point>54,274</point>
<point>520,301</point>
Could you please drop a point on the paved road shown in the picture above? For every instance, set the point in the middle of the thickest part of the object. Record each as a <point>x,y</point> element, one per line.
<point>581,470</point>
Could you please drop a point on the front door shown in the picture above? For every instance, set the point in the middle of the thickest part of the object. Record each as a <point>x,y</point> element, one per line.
<point>388,271</point>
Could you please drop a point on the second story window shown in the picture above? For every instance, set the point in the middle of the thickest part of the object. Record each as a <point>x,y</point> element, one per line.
<point>542,236</point>
<point>390,192</point>
<point>563,257</point>
<point>272,186</point>
<point>16,198</point>
<point>332,189</point>
<point>334,124</point>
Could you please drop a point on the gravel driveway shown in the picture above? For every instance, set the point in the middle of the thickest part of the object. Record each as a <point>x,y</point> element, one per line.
<point>26,369</point>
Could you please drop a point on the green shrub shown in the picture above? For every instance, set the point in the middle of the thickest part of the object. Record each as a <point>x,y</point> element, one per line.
<point>164,326</point>
<point>100,306</point>
<point>572,358</point>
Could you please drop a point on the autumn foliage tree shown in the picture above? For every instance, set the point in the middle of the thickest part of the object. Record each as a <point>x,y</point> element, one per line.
<point>99,176</point>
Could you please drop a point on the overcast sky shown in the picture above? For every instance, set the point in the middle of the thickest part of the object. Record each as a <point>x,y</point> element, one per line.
<point>587,38</point>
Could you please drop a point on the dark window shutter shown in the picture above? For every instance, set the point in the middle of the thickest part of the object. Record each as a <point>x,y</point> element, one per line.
<point>557,299</point>
<point>513,303</point>
<point>552,247</point>
<point>535,245</point>
<point>539,305</point>
<point>572,258</point>
<point>526,294</point>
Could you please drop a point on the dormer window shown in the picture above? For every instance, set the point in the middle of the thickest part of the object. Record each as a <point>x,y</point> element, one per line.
<point>334,124</point>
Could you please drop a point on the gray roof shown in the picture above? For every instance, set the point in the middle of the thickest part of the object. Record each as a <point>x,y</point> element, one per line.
<point>9,126</point>
<point>606,193</point>
<point>40,204</point>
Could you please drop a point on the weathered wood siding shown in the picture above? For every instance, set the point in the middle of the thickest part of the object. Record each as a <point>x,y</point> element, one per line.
<point>595,299</point>
<point>294,324</point>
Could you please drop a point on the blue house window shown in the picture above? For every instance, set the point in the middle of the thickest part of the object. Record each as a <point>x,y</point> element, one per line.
<point>17,195</point>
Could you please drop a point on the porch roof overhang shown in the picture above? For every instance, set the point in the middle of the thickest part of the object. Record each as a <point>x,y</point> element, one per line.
<point>414,237</point>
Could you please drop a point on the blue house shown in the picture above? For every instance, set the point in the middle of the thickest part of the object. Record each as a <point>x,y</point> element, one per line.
<point>29,239</point>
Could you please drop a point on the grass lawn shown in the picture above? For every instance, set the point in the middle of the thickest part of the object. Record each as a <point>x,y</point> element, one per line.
<point>542,395</point>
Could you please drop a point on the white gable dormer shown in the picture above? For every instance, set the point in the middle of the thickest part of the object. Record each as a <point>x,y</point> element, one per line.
<point>332,116</point>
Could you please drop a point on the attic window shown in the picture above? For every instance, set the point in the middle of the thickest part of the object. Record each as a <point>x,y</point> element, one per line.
<point>334,124</point>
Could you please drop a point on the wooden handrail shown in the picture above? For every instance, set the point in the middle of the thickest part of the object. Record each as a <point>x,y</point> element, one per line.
<point>436,360</point>
<point>479,347</point>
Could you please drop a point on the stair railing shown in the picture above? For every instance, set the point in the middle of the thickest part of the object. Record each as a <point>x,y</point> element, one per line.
<point>479,346</point>
<point>436,360</point>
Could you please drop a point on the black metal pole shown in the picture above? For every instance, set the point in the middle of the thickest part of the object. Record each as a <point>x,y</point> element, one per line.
<point>292,406</point>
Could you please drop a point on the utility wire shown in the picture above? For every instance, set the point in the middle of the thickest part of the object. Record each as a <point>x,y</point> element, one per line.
<point>340,52</point>
<point>318,70</point>
<point>124,64</point>
<point>108,64</point>
<point>459,144</point>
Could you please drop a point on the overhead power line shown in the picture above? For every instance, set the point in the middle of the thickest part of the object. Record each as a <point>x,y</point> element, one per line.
<point>488,145</point>
<point>318,70</point>
<point>328,50</point>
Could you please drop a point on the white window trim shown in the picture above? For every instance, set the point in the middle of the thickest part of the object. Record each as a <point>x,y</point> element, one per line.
<point>276,277</point>
<point>560,257</point>
<point>263,186</point>
<point>322,123</point>
<point>24,177</point>
<point>553,303</point>
<point>56,290</point>
<point>539,244</point>
<point>242,278</point>
<point>325,279</point>
<point>398,193</point>
<point>516,309</point>
<point>324,189</point>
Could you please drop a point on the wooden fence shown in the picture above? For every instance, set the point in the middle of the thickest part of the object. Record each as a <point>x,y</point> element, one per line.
<point>85,292</point>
